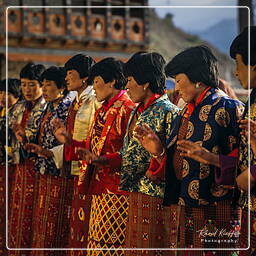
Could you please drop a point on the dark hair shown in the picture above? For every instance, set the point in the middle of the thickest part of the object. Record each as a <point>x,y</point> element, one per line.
<point>32,71</point>
<point>13,86</point>
<point>147,68</point>
<point>240,46</point>
<point>197,63</point>
<point>109,69</point>
<point>56,74</point>
<point>81,63</point>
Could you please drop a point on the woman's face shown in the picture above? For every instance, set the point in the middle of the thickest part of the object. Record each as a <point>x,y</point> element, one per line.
<point>10,99</point>
<point>135,91</point>
<point>31,89</point>
<point>187,89</point>
<point>103,91</point>
<point>50,91</point>
<point>242,72</point>
<point>74,82</point>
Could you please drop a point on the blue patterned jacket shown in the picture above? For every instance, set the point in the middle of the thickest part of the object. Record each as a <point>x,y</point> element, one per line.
<point>213,125</point>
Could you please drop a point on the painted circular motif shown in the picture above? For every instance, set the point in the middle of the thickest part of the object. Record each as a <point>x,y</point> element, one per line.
<point>231,140</point>
<point>190,130</point>
<point>204,112</point>
<point>204,171</point>
<point>207,132</point>
<point>218,191</point>
<point>193,189</point>
<point>185,168</point>
<point>216,150</point>
<point>181,201</point>
<point>222,117</point>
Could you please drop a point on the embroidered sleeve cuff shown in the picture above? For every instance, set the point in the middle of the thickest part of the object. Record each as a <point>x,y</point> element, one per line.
<point>156,167</point>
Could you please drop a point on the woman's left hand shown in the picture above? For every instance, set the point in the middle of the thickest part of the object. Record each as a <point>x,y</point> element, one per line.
<point>198,153</point>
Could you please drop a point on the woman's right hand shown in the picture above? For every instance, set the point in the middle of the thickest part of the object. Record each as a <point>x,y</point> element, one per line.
<point>86,155</point>
<point>60,132</point>
<point>20,134</point>
<point>148,139</point>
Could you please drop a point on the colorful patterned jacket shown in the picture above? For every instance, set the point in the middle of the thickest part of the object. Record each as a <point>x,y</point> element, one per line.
<point>135,159</point>
<point>213,125</point>
<point>244,160</point>
<point>45,136</point>
<point>105,179</point>
<point>31,128</point>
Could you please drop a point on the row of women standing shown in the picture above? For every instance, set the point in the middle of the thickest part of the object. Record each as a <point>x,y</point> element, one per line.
<point>133,171</point>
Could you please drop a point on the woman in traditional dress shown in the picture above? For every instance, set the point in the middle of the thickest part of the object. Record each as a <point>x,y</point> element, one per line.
<point>8,99</point>
<point>79,120</point>
<point>246,167</point>
<point>24,120</point>
<point>147,218</point>
<point>52,209</point>
<point>108,212</point>
<point>208,220</point>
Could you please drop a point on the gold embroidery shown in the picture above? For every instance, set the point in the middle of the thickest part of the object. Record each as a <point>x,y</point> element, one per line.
<point>218,191</point>
<point>181,201</point>
<point>193,189</point>
<point>207,132</point>
<point>190,130</point>
<point>204,171</point>
<point>222,117</point>
<point>185,168</point>
<point>204,112</point>
<point>81,214</point>
<point>216,150</point>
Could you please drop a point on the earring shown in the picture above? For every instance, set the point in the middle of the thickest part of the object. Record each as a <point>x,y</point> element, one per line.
<point>197,85</point>
<point>144,88</point>
<point>83,82</point>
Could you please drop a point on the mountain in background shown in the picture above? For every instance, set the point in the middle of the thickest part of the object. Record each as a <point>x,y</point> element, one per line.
<point>220,35</point>
<point>169,40</point>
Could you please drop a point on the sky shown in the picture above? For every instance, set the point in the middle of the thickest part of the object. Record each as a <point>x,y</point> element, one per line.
<point>196,19</point>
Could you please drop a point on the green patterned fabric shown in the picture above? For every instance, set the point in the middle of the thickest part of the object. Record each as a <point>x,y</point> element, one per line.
<point>135,159</point>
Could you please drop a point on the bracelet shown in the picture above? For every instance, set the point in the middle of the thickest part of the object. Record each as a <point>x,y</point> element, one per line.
<point>163,152</point>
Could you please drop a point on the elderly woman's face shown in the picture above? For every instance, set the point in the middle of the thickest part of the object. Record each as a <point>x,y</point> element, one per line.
<point>136,92</point>
<point>186,89</point>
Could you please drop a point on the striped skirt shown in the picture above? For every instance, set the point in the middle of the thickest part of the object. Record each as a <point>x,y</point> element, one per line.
<point>23,196</point>
<point>244,233</point>
<point>51,220</point>
<point>214,226</point>
<point>151,225</point>
<point>79,225</point>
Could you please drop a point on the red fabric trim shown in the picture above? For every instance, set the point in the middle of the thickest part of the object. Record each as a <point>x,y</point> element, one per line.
<point>155,167</point>
<point>234,153</point>
<point>107,104</point>
<point>141,107</point>
<point>191,106</point>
